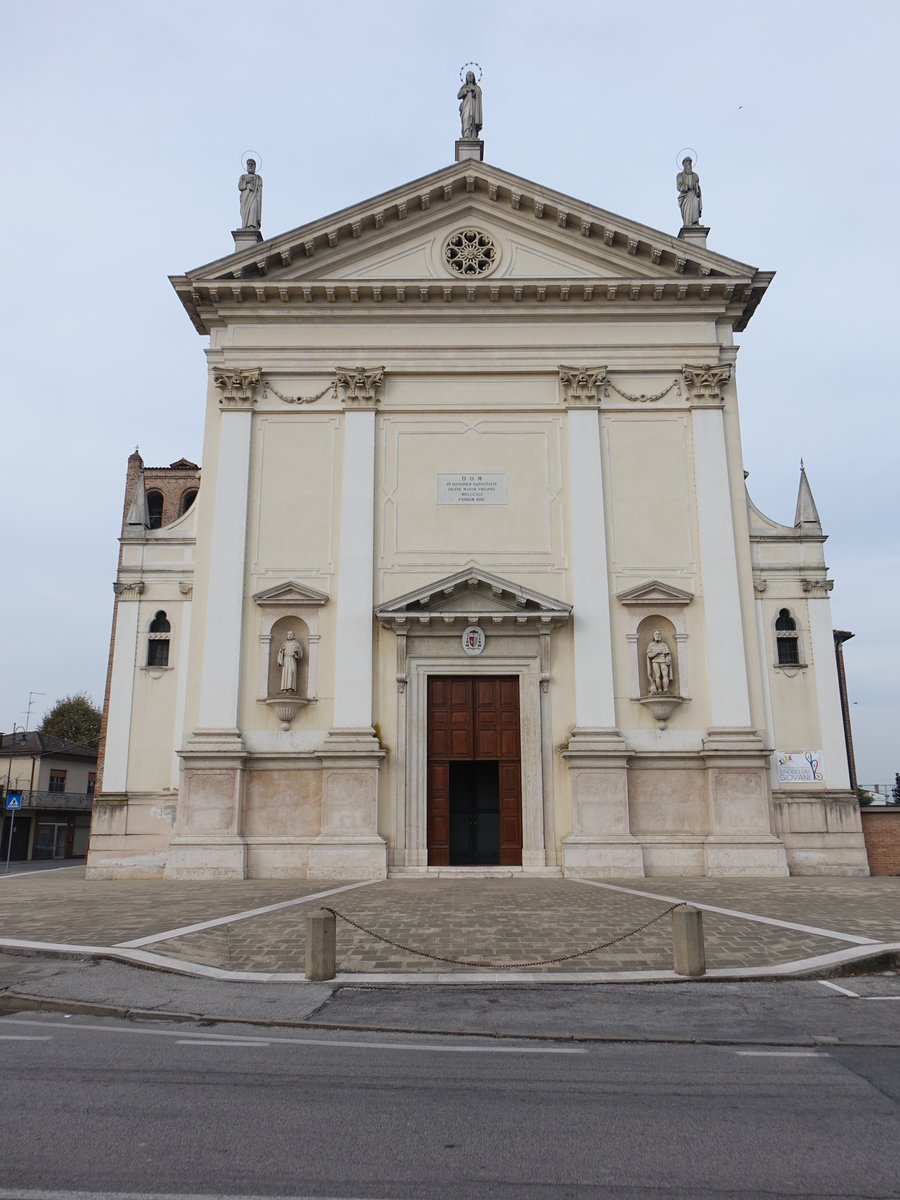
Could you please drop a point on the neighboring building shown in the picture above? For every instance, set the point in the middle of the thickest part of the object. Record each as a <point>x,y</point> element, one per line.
<point>470,446</point>
<point>57,780</point>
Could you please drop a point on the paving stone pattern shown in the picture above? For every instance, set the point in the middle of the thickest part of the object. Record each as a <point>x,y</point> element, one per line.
<point>494,921</point>
<point>864,907</point>
<point>65,907</point>
<point>497,921</point>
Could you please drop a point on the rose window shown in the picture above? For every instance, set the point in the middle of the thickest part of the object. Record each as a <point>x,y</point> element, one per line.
<point>470,252</point>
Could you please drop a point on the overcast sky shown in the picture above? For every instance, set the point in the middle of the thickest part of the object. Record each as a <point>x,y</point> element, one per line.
<point>125,123</point>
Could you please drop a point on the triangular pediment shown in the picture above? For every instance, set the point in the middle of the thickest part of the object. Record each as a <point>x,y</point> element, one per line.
<point>472,595</point>
<point>655,593</point>
<point>392,247</point>
<point>291,593</point>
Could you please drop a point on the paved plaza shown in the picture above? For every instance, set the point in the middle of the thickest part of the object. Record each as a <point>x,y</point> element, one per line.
<point>488,923</point>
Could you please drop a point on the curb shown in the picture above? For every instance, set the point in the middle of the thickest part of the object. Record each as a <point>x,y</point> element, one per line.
<point>836,963</point>
<point>15,1002</point>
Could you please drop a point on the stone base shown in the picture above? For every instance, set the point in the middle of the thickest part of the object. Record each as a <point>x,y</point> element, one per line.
<point>246,239</point>
<point>821,832</point>
<point>830,859</point>
<point>608,859</point>
<point>683,859</point>
<point>469,150</point>
<point>345,859</point>
<point>130,836</point>
<point>201,858</point>
<point>695,234</point>
<point>355,858</point>
<point>745,857</point>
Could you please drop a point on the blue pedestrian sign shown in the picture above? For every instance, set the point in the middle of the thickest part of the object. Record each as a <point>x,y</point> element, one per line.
<point>13,801</point>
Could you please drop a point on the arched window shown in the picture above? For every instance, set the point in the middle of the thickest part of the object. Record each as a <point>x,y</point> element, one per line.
<point>158,641</point>
<point>188,499</point>
<point>154,509</point>
<point>786,640</point>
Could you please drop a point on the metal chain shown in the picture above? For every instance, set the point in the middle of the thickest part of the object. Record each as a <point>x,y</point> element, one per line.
<point>642,398</point>
<point>541,962</point>
<point>270,387</point>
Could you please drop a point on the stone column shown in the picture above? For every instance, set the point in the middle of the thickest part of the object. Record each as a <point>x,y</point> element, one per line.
<point>600,843</point>
<point>126,659</point>
<point>740,840</point>
<point>729,696</point>
<point>353,648</point>
<point>828,694</point>
<point>208,842</point>
<point>350,846</point>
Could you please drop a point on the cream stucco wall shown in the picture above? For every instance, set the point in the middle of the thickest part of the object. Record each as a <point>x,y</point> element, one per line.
<point>472,383</point>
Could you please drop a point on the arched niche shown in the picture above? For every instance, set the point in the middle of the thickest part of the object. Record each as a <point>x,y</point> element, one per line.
<point>665,605</point>
<point>277,638</point>
<point>645,635</point>
<point>287,606</point>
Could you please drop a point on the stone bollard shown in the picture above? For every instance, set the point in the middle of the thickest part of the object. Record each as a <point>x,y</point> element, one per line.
<point>321,953</point>
<point>687,941</point>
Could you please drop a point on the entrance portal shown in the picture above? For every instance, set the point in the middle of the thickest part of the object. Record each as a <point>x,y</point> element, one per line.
<point>474,771</point>
<point>474,814</point>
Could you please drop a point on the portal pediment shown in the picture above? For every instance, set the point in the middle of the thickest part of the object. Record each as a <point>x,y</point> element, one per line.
<point>470,596</point>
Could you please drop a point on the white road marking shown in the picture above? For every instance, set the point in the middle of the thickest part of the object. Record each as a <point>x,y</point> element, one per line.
<point>782,1054</point>
<point>43,871</point>
<point>837,988</point>
<point>733,912</point>
<point>201,1042</point>
<point>136,943</point>
<point>137,1031</point>
<point>24,1037</point>
<point>39,1194</point>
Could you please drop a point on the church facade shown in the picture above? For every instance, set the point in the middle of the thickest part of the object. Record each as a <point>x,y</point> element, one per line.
<point>472,580</point>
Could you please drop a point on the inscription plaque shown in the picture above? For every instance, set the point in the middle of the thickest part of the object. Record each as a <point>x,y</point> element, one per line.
<point>476,487</point>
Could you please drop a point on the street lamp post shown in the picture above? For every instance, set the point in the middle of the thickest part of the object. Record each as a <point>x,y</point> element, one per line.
<point>12,819</point>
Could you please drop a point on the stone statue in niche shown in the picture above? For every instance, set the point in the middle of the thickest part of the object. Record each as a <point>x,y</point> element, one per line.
<point>289,656</point>
<point>250,188</point>
<point>659,666</point>
<point>689,198</point>
<point>469,96</point>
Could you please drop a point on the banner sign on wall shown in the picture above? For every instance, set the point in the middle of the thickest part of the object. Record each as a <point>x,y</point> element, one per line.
<point>800,766</point>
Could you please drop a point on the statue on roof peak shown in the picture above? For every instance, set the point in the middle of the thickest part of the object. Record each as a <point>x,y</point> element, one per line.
<point>689,199</point>
<point>250,188</point>
<point>470,111</point>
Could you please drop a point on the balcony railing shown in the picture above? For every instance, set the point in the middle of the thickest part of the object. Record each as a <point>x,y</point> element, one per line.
<point>78,801</point>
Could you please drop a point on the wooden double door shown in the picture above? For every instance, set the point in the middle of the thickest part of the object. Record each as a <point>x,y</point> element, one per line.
<point>474,771</point>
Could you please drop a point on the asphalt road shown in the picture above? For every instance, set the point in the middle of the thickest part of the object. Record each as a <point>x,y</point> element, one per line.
<point>105,1106</point>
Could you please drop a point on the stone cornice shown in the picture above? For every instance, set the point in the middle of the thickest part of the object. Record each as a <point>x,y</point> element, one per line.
<point>247,275</point>
<point>210,304</point>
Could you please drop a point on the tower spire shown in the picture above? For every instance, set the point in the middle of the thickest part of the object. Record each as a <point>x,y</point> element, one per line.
<point>806,517</point>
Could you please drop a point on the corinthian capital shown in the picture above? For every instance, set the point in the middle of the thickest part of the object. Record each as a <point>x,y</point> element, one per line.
<point>237,385</point>
<point>705,383</point>
<point>582,386</point>
<point>359,385</point>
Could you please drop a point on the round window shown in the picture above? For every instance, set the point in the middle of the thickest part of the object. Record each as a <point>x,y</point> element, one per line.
<point>470,252</point>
